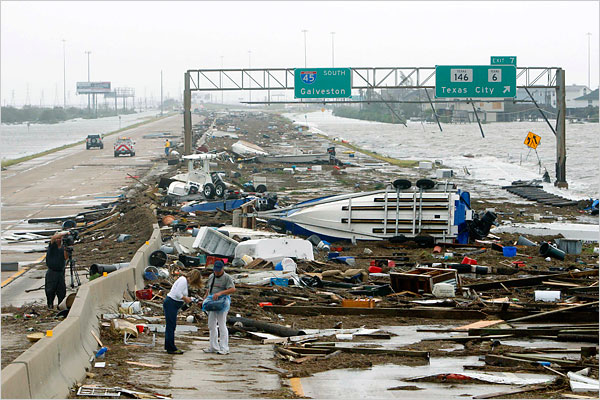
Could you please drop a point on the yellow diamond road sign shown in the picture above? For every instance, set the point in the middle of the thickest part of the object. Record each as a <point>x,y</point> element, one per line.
<point>532,140</point>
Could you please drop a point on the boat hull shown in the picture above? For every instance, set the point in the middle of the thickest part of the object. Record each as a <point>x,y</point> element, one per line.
<point>378,216</point>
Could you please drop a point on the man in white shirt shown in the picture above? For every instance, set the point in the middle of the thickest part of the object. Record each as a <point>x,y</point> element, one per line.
<point>173,302</point>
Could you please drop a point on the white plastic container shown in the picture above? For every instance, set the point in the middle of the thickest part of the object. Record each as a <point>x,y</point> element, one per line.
<point>212,241</point>
<point>444,173</point>
<point>441,290</point>
<point>317,168</point>
<point>130,307</point>
<point>275,250</point>
<point>288,264</point>
<point>547,295</point>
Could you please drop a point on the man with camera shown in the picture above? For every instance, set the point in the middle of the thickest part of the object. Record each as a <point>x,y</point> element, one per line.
<point>56,258</point>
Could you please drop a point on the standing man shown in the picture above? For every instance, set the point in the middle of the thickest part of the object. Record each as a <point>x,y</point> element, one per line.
<point>219,284</point>
<point>167,147</point>
<point>56,257</point>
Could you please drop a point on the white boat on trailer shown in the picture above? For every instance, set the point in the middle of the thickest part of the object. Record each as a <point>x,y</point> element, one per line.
<point>436,210</point>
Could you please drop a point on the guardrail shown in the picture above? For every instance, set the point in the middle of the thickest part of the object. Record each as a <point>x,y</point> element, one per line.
<point>50,367</point>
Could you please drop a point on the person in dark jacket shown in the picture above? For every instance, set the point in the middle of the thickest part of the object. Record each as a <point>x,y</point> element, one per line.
<point>56,258</point>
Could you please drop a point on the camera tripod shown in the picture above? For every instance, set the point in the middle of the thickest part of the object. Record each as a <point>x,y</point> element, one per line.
<point>74,273</point>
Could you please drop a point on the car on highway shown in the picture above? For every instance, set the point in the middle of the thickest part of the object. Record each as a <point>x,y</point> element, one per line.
<point>94,141</point>
<point>124,145</point>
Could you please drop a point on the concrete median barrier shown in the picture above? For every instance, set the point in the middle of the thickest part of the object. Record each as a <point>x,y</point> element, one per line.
<point>15,372</point>
<point>50,367</point>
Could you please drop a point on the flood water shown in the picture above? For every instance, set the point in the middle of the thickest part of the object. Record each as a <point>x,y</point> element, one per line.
<point>498,159</point>
<point>21,140</point>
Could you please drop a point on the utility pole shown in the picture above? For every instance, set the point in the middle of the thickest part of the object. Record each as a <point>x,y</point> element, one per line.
<point>161,94</point>
<point>589,35</point>
<point>64,76</point>
<point>88,55</point>
<point>304,31</point>
<point>332,50</point>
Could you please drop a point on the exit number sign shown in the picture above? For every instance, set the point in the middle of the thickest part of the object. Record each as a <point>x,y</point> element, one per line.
<point>504,60</point>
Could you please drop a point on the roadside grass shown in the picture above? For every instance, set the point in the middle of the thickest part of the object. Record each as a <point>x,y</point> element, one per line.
<point>16,161</point>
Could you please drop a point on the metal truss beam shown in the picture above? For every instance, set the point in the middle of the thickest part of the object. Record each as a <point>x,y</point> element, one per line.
<point>362,78</point>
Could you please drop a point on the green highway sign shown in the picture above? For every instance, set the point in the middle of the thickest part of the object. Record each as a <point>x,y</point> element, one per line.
<point>316,83</point>
<point>504,60</point>
<point>475,81</point>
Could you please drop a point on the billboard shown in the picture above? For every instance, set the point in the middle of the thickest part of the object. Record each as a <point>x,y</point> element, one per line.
<point>93,87</point>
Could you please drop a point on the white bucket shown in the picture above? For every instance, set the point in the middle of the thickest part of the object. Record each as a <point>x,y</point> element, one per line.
<point>247,259</point>
<point>443,290</point>
<point>288,264</point>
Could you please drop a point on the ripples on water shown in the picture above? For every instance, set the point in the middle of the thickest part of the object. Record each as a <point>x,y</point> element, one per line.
<point>20,140</point>
<point>499,158</point>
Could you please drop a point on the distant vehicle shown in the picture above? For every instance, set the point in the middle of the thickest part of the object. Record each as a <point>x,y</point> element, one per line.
<point>124,145</point>
<point>94,141</point>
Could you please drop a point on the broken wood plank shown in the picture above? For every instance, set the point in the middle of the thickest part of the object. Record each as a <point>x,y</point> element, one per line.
<point>414,312</point>
<point>310,350</point>
<point>464,339</point>
<point>287,352</point>
<point>278,370</point>
<point>97,338</point>
<point>334,354</point>
<point>267,338</point>
<point>141,364</point>
<point>479,324</point>
<point>365,350</point>
<point>537,357</point>
<point>303,359</point>
<point>560,310</point>
<point>521,389</point>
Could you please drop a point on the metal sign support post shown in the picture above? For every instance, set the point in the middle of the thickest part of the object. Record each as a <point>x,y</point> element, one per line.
<point>561,147</point>
<point>187,115</point>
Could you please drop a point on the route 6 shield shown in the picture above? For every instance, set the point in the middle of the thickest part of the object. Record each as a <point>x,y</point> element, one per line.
<point>308,77</point>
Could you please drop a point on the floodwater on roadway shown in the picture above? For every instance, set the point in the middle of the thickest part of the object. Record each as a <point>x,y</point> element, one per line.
<point>21,140</point>
<point>378,382</point>
<point>498,159</point>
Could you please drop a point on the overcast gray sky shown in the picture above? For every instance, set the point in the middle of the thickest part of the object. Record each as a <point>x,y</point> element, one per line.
<point>132,41</point>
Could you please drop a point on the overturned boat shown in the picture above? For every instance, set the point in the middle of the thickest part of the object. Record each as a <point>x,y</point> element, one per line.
<point>438,211</point>
<point>245,149</point>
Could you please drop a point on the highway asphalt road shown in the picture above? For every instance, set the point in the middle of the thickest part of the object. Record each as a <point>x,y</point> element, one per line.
<point>64,183</point>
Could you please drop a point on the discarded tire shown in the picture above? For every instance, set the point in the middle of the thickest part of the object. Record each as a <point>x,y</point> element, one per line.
<point>158,258</point>
<point>261,188</point>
